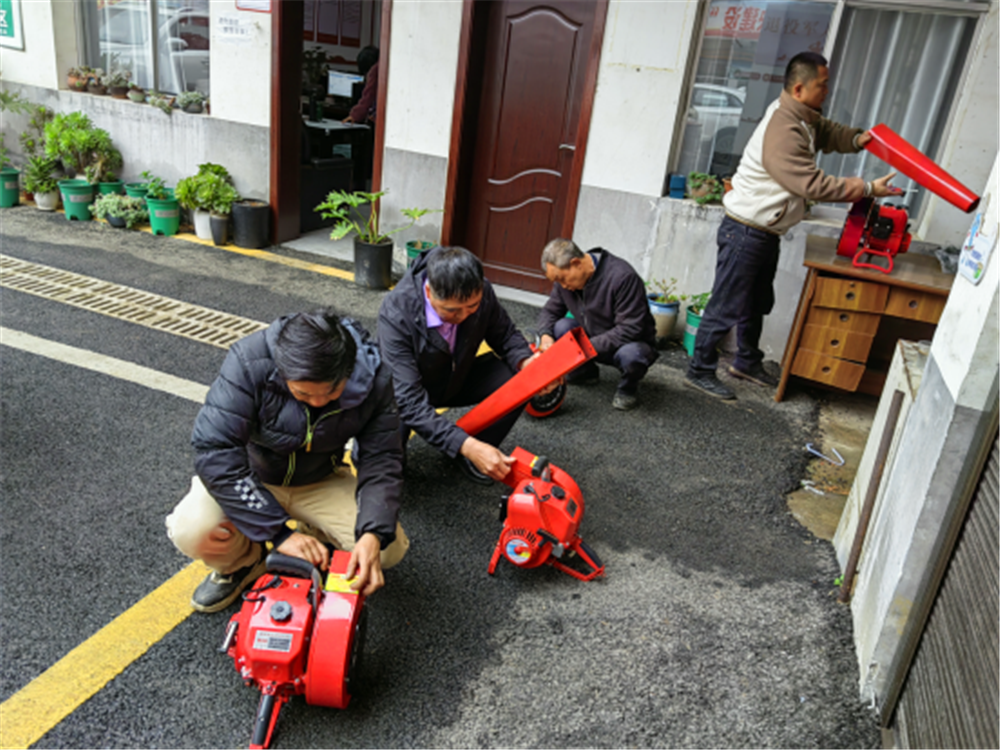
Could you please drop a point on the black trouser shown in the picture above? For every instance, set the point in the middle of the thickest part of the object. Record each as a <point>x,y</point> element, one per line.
<point>632,359</point>
<point>488,373</point>
<point>743,293</point>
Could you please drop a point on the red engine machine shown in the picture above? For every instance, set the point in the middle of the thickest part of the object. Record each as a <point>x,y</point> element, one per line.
<point>296,636</point>
<point>542,516</point>
<point>882,230</point>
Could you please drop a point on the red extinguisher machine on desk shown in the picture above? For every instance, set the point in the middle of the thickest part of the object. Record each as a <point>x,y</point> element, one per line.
<point>882,230</point>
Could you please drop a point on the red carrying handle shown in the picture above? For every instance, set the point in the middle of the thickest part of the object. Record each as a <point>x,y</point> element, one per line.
<point>903,156</point>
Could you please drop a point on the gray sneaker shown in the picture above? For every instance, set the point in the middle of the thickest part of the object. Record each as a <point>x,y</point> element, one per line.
<point>218,591</point>
<point>625,401</point>
<point>756,374</point>
<point>709,384</point>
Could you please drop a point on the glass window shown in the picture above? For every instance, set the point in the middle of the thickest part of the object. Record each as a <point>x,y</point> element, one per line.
<point>119,33</point>
<point>744,51</point>
<point>900,68</point>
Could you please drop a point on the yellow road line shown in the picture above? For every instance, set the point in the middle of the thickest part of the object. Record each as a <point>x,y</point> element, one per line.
<point>293,262</point>
<point>27,715</point>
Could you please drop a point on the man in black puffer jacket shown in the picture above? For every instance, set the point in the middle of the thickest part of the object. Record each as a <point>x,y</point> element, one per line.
<point>269,445</point>
<point>607,298</point>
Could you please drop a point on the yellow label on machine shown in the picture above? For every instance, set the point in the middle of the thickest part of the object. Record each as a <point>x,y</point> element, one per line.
<point>336,582</point>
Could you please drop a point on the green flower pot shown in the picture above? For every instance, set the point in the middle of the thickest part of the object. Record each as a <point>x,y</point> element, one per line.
<point>691,331</point>
<point>413,250</point>
<point>164,215</point>
<point>136,189</point>
<point>10,191</point>
<point>115,186</point>
<point>77,196</point>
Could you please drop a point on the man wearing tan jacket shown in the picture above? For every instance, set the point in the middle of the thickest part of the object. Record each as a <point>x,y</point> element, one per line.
<point>776,176</point>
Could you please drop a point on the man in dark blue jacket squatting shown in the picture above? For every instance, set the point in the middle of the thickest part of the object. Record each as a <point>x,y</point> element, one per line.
<point>607,298</point>
<point>430,328</point>
<point>269,446</point>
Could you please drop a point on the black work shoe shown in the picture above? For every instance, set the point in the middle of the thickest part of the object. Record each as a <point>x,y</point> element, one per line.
<point>757,374</point>
<point>709,384</point>
<point>470,470</point>
<point>586,374</point>
<point>625,401</point>
<point>218,591</point>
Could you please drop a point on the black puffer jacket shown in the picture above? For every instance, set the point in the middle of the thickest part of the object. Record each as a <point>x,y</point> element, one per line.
<point>425,373</point>
<point>612,306</point>
<point>251,430</point>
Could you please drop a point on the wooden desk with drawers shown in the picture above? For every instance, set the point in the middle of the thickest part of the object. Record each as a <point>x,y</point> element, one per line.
<point>849,319</point>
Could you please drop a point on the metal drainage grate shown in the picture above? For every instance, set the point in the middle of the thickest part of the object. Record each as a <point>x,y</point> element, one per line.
<point>125,303</point>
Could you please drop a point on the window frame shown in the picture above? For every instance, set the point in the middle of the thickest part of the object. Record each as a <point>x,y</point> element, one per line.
<point>968,8</point>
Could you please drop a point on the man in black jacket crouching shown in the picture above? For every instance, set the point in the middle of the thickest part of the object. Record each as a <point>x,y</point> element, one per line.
<point>269,445</point>
<point>606,297</point>
<point>430,328</point>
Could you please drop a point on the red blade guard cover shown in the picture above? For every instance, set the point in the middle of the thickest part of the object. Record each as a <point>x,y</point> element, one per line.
<point>903,156</point>
<point>568,353</point>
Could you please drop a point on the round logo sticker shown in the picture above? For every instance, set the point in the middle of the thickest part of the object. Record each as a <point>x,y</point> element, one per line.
<point>518,551</point>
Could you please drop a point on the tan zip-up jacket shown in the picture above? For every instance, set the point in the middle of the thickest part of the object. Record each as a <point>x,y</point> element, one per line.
<point>778,171</point>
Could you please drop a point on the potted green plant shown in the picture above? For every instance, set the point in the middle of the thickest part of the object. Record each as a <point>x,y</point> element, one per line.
<point>224,195</point>
<point>696,306</point>
<point>96,83</point>
<point>372,246</point>
<point>163,102</point>
<point>197,194</point>
<point>40,180</point>
<point>105,162</point>
<point>164,209</point>
<point>117,82</point>
<point>664,304</point>
<point>704,188</point>
<point>136,94</point>
<point>121,211</point>
<point>10,191</point>
<point>192,102</point>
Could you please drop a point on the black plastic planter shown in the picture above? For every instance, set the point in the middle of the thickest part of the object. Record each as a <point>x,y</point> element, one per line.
<point>220,228</point>
<point>373,264</point>
<point>251,221</point>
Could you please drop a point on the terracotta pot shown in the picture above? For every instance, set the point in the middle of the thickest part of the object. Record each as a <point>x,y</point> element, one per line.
<point>97,88</point>
<point>119,92</point>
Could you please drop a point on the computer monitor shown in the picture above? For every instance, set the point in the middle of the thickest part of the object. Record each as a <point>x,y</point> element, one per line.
<point>340,84</point>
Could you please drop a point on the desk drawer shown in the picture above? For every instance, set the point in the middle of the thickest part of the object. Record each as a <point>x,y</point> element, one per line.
<point>844,320</point>
<point>905,303</point>
<point>837,342</point>
<point>849,294</point>
<point>825,369</point>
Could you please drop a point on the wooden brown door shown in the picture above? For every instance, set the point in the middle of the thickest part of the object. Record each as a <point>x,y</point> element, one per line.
<point>529,115</point>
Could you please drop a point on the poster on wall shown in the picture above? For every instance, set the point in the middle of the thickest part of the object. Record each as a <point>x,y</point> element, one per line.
<point>978,246</point>
<point>10,24</point>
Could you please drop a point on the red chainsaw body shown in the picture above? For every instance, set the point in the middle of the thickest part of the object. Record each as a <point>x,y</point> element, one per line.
<point>872,229</point>
<point>541,518</point>
<point>294,636</point>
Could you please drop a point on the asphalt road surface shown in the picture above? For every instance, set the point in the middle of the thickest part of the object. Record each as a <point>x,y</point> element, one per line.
<point>716,624</point>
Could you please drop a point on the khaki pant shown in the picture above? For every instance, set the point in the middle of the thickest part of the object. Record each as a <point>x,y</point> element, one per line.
<point>199,528</point>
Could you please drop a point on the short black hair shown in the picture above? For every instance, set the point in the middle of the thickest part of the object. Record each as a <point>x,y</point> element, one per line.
<point>454,273</point>
<point>803,68</point>
<point>316,347</point>
<point>366,59</point>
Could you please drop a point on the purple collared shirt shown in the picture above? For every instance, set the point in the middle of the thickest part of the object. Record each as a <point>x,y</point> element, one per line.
<point>447,330</point>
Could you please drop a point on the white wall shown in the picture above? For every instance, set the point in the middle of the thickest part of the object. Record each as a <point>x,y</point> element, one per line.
<point>639,88</point>
<point>240,67</point>
<point>422,69</point>
<point>36,64</point>
<point>971,141</point>
<point>967,337</point>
